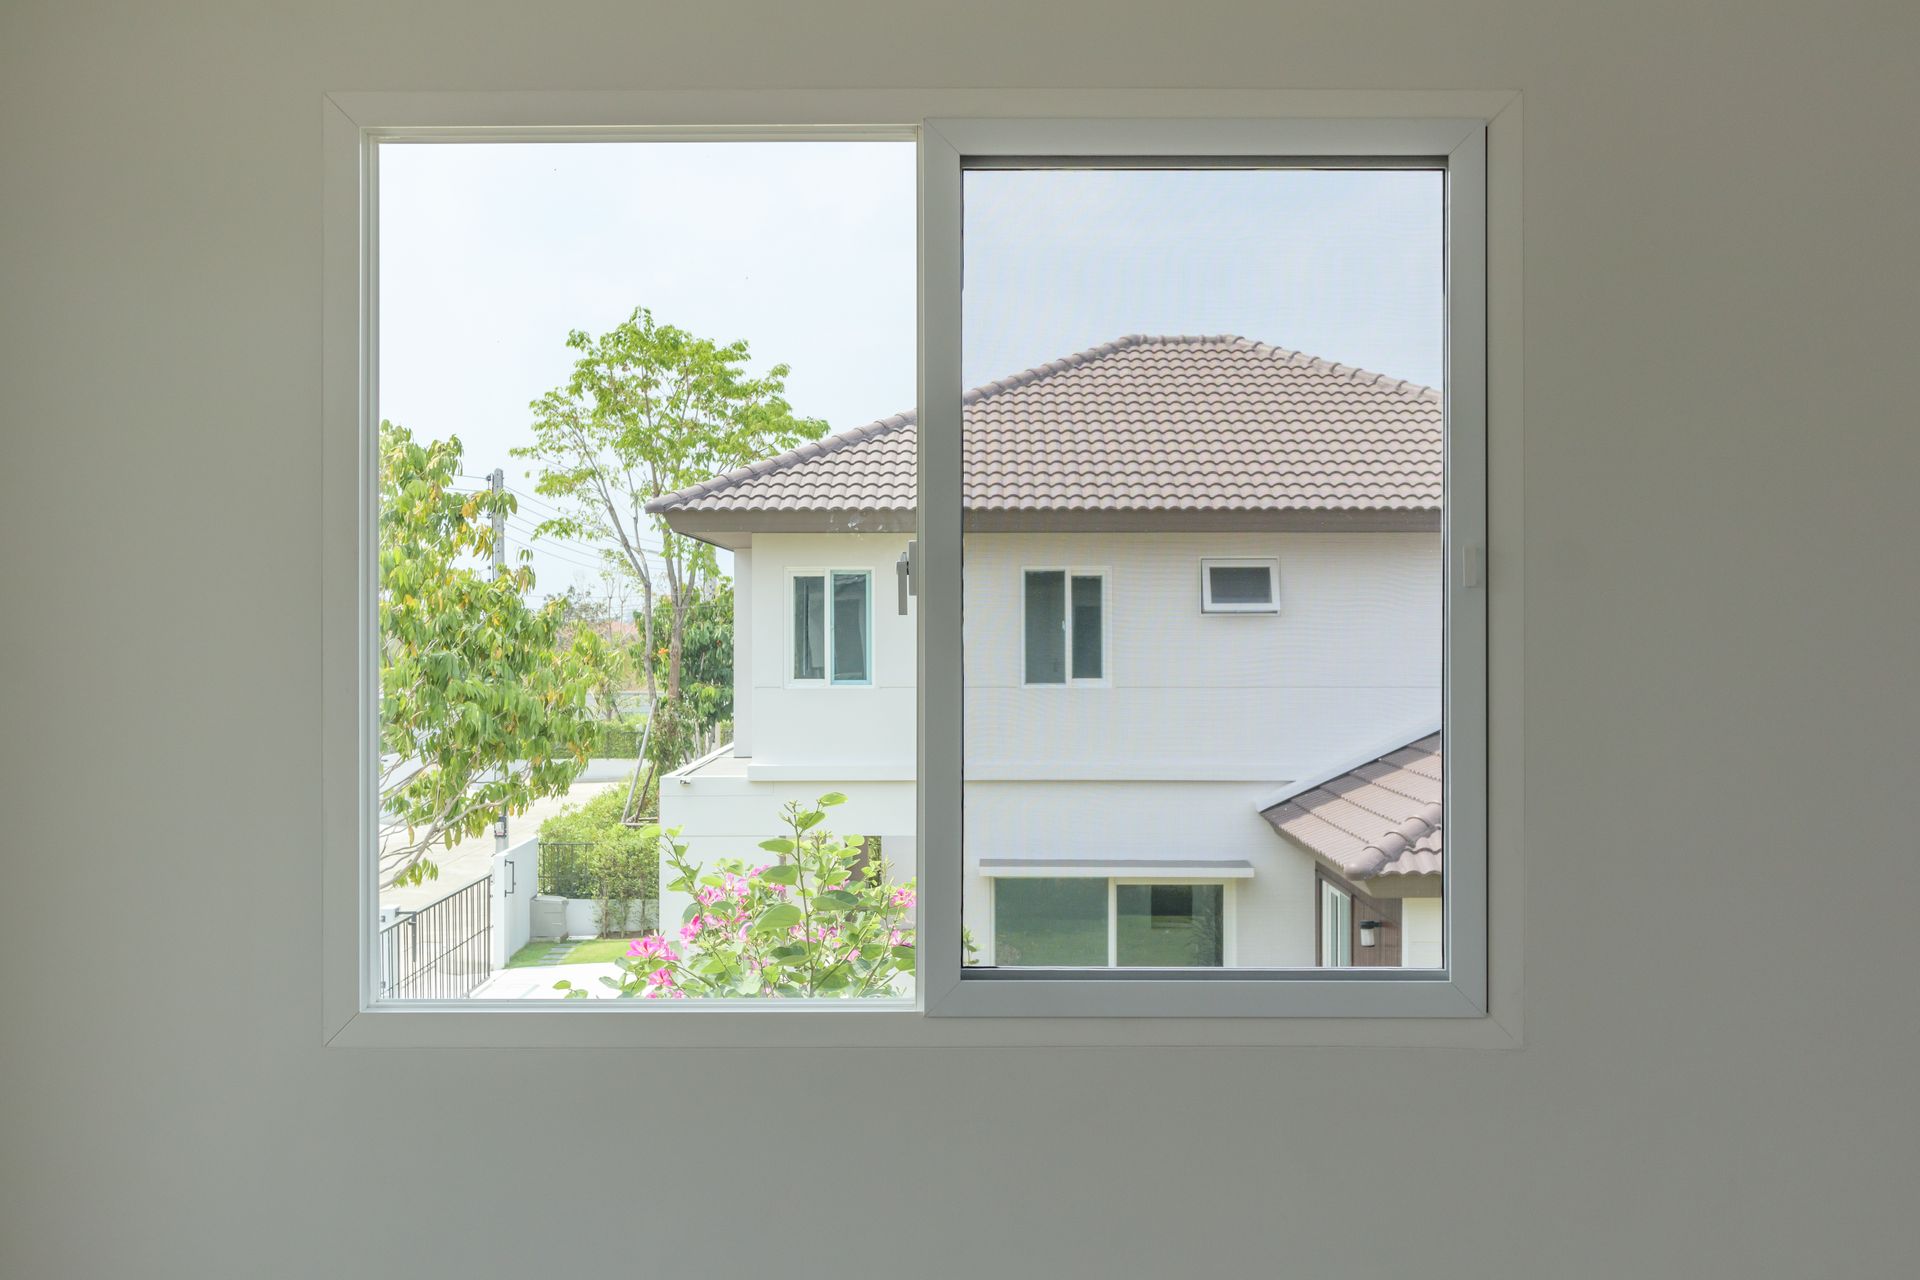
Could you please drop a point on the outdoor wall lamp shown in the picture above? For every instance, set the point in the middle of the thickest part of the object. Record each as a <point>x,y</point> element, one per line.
<point>1369,932</point>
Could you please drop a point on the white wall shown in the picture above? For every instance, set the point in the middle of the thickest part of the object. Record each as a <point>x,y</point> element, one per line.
<point>1273,911</point>
<point>1203,716</point>
<point>833,725</point>
<point>1718,691</point>
<point>728,817</point>
<point>1353,654</point>
<point>516,879</point>
<point>1422,933</point>
<point>743,646</point>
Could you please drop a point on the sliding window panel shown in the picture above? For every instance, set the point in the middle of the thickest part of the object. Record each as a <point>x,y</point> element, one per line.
<point>1189,383</point>
<point>645,728</point>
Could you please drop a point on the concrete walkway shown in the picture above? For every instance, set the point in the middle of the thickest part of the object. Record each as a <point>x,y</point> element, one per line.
<point>535,982</point>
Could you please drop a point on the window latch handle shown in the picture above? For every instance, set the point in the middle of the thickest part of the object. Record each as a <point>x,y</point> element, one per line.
<point>903,574</point>
<point>1473,565</point>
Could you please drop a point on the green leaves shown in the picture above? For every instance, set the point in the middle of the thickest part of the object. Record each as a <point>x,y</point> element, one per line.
<point>649,408</point>
<point>798,929</point>
<point>780,916</point>
<point>480,711</point>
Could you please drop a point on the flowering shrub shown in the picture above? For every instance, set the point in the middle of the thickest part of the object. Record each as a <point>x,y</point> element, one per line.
<point>816,921</point>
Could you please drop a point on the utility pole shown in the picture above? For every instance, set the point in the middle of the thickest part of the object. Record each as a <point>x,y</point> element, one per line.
<point>497,483</point>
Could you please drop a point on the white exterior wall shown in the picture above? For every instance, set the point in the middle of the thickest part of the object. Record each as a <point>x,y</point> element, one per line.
<point>743,652</point>
<point>1353,655</point>
<point>1272,913</point>
<point>1422,930</point>
<point>723,814</point>
<point>1202,717</point>
<point>815,728</point>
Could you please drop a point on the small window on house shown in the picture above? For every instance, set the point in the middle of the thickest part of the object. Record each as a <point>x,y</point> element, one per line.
<point>1240,586</point>
<point>1093,921</point>
<point>1169,925</point>
<point>836,639</point>
<point>1065,626</point>
<point>1041,921</point>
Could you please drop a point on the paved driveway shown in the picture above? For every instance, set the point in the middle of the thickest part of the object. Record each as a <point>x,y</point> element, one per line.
<point>470,860</point>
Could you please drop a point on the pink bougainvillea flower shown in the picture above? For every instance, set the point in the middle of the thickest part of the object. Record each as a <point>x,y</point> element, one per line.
<point>902,898</point>
<point>708,895</point>
<point>653,946</point>
<point>690,930</point>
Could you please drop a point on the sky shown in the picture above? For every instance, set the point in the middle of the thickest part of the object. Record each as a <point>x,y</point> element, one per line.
<point>491,253</point>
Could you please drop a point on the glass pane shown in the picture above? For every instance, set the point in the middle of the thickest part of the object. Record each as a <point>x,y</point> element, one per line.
<point>1039,922</point>
<point>1087,637</point>
<point>596,614</point>
<point>809,628</point>
<point>1047,628</point>
<point>850,628</point>
<point>1336,927</point>
<point>1232,372</point>
<point>1169,925</point>
<point>1241,584</point>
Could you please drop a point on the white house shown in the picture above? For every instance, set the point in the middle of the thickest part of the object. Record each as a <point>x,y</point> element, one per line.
<point>1203,589</point>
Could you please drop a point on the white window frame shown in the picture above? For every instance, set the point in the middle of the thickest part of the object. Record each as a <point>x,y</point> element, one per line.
<point>1480,129</point>
<point>1458,148</point>
<point>1209,563</point>
<point>1331,892</point>
<point>828,681</point>
<point>1105,678</point>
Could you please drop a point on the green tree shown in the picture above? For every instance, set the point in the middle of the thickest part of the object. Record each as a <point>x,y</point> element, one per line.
<point>650,409</point>
<point>588,623</point>
<point>481,709</point>
<point>706,654</point>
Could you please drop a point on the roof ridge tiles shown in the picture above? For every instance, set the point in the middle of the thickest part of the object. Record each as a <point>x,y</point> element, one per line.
<point>1385,425</point>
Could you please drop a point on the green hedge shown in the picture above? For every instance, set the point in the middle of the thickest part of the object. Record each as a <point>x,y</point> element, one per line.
<point>582,848</point>
<point>616,739</point>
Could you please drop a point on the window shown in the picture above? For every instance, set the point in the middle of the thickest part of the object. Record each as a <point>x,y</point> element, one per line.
<point>837,640</point>
<point>1309,281</point>
<point>1240,586</point>
<point>810,627</point>
<point>1087,922</point>
<point>1050,922</point>
<point>1336,927</point>
<point>1065,626</point>
<point>1220,361</point>
<point>1169,926</point>
<point>548,810</point>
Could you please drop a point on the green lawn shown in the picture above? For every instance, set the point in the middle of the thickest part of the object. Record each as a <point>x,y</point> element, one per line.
<point>591,951</point>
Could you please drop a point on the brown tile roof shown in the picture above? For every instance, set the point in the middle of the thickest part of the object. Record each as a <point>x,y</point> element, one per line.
<point>1381,818</point>
<point>1169,424</point>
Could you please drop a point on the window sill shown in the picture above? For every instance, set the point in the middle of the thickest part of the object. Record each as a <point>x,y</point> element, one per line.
<point>637,1025</point>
